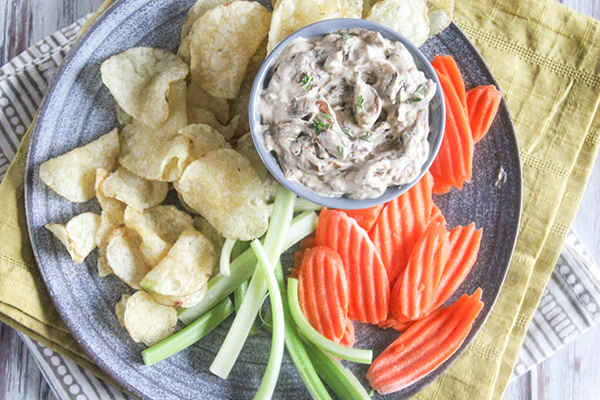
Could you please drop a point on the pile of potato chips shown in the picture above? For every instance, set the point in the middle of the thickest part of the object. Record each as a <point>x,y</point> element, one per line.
<point>184,126</point>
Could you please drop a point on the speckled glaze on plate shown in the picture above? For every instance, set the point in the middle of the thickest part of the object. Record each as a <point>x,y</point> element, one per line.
<point>79,109</point>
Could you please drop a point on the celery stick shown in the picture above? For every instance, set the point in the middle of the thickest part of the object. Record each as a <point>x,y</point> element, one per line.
<point>188,335</point>
<point>339,378</point>
<point>305,205</point>
<point>336,349</point>
<point>239,294</point>
<point>269,380</point>
<point>226,256</point>
<point>283,211</point>
<point>242,267</point>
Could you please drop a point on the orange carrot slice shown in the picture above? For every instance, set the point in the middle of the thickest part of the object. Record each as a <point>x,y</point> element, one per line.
<point>400,224</point>
<point>415,292</point>
<point>482,105</point>
<point>348,338</point>
<point>447,66</point>
<point>453,164</point>
<point>436,215</point>
<point>323,291</point>
<point>365,217</point>
<point>392,323</point>
<point>367,279</point>
<point>307,242</point>
<point>464,244</point>
<point>424,345</point>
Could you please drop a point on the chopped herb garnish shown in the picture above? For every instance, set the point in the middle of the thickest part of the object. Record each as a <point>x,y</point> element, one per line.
<point>341,151</point>
<point>360,101</point>
<point>345,38</point>
<point>340,175</point>
<point>307,81</point>
<point>346,130</point>
<point>411,101</point>
<point>318,126</point>
<point>367,137</point>
<point>420,89</point>
<point>326,116</point>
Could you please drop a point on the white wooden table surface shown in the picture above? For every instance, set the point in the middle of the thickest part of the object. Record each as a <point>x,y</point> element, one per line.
<point>572,373</point>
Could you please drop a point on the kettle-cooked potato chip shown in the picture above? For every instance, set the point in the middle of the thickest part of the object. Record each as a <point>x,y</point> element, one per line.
<point>183,51</point>
<point>241,103</point>
<point>120,309</point>
<point>158,154</point>
<point>77,235</point>
<point>291,15</point>
<point>407,17</point>
<point>186,268</point>
<point>203,116</point>
<point>217,240</point>
<point>197,11</point>
<point>112,216</point>
<point>139,79</point>
<point>204,139</point>
<point>223,41</point>
<point>228,192</point>
<point>147,321</point>
<point>245,146</point>
<point>122,117</point>
<point>133,190</point>
<point>159,228</point>
<point>125,257</point>
<point>367,5</point>
<point>181,301</point>
<point>73,174</point>
<point>440,15</point>
<point>200,98</point>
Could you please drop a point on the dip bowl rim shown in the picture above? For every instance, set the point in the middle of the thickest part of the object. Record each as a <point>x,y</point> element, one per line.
<point>437,112</point>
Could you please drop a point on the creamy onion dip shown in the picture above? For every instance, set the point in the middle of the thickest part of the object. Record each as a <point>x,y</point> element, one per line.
<point>347,114</point>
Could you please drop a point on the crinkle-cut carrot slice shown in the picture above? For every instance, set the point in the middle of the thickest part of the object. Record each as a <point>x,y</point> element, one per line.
<point>453,163</point>
<point>436,215</point>
<point>348,338</point>
<point>307,242</point>
<point>415,292</point>
<point>323,291</point>
<point>365,217</point>
<point>447,66</point>
<point>392,323</point>
<point>400,224</point>
<point>464,244</point>
<point>424,345</point>
<point>368,284</point>
<point>482,105</point>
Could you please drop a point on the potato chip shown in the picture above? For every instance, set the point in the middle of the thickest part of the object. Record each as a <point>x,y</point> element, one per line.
<point>112,216</point>
<point>125,257</point>
<point>181,301</point>
<point>122,117</point>
<point>204,139</point>
<point>367,5</point>
<point>73,174</point>
<point>185,206</point>
<point>245,146</point>
<point>134,191</point>
<point>147,321</point>
<point>202,116</point>
<point>291,15</point>
<point>217,240</point>
<point>186,268</point>
<point>139,79</point>
<point>407,17</point>
<point>120,309</point>
<point>241,103</point>
<point>440,15</point>
<point>158,154</point>
<point>77,235</point>
<point>200,98</point>
<point>223,41</point>
<point>159,227</point>
<point>224,188</point>
<point>183,51</point>
<point>198,10</point>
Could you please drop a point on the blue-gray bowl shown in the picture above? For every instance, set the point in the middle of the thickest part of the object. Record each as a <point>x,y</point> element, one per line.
<point>437,111</point>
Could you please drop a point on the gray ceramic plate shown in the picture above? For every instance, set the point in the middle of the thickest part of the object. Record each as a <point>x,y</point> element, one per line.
<point>78,109</point>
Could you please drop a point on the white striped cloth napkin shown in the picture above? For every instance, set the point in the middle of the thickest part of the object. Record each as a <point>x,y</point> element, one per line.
<point>570,305</point>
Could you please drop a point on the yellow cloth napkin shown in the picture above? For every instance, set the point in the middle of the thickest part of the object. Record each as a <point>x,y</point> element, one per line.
<point>546,59</point>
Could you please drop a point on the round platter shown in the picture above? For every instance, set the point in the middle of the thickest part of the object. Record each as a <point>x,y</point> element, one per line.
<point>79,109</point>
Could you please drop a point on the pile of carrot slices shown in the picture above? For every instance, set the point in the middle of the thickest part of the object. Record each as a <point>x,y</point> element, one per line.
<point>397,264</point>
